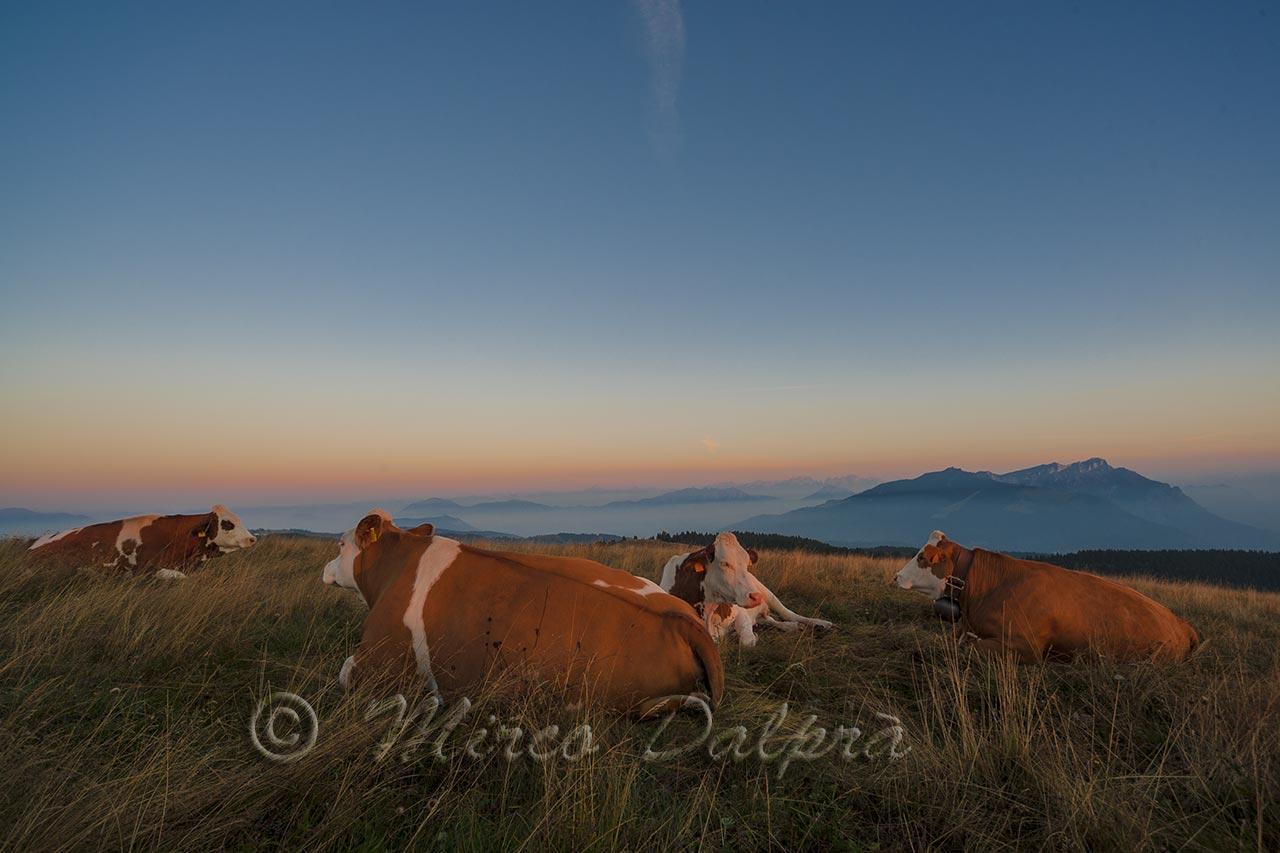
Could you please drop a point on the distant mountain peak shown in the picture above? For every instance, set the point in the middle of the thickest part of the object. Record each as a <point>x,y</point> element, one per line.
<point>1094,469</point>
<point>431,504</point>
<point>830,492</point>
<point>1048,507</point>
<point>1092,465</point>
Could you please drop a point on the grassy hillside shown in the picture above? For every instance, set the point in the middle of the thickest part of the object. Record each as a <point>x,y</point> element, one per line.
<point>125,706</point>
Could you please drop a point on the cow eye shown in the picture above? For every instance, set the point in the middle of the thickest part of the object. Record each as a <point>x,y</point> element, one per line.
<point>226,525</point>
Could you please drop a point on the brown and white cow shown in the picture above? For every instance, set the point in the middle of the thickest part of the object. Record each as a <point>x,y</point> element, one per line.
<point>697,578</point>
<point>456,614</point>
<point>165,544</point>
<point>1037,610</point>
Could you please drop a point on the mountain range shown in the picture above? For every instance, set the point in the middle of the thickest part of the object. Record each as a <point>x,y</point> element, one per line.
<point>441,522</point>
<point>1053,507</point>
<point>802,487</point>
<point>693,496</point>
<point>1046,508</point>
<point>434,505</point>
<point>25,522</point>
<point>830,493</point>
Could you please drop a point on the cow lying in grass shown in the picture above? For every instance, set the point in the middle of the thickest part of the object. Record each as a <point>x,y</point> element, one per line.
<point>694,578</point>
<point>456,615</point>
<point>1037,611</point>
<point>164,544</point>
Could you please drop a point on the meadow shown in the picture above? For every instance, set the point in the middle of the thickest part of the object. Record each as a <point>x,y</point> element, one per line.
<point>125,706</point>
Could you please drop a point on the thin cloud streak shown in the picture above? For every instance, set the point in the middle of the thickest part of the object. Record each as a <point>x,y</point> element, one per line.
<point>664,48</point>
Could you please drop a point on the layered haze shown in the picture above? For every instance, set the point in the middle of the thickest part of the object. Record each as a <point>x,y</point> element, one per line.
<point>1051,507</point>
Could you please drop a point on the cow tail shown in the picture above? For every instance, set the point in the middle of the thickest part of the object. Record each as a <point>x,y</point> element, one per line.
<point>708,655</point>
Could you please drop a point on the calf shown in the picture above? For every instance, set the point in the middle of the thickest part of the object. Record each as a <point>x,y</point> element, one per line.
<point>164,544</point>
<point>456,614</point>
<point>689,576</point>
<point>1037,610</point>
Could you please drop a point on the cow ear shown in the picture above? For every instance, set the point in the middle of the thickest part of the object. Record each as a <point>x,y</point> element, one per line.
<point>751,552</point>
<point>930,554</point>
<point>369,529</point>
<point>697,561</point>
<point>424,529</point>
<point>206,528</point>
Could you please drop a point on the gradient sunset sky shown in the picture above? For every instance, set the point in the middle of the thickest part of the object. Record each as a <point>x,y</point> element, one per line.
<point>262,251</point>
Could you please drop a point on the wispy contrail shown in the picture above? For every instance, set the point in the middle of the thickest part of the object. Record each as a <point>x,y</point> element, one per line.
<point>664,46</point>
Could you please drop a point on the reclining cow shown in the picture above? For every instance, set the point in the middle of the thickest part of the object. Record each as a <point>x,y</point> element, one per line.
<point>455,614</point>
<point>164,544</point>
<point>694,578</point>
<point>1037,610</point>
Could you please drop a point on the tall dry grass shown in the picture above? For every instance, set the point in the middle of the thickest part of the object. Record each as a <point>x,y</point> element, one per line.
<point>124,708</point>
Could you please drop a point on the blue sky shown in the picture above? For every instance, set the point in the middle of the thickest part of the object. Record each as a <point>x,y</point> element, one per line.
<point>570,243</point>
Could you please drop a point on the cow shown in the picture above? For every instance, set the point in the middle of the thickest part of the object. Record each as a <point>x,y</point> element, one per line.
<point>163,544</point>
<point>695,577</point>
<point>454,614</point>
<point>1038,611</point>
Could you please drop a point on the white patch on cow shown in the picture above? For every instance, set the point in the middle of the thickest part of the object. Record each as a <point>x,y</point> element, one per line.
<point>49,538</point>
<point>669,571</point>
<point>913,576</point>
<point>647,587</point>
<point>341,570</point>
<point>729,578</point>
<point>232,535</point>
<point>439,555</point>
<point>131,531</point>
<point>774,611</point>
<point>718,626</point>
<point>743,619</point>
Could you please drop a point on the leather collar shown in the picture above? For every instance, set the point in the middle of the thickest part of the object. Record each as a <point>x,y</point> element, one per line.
<point>954,584</point>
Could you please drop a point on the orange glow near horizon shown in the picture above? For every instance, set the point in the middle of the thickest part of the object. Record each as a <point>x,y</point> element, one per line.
<point>292,471</point>
<point>85,439</point>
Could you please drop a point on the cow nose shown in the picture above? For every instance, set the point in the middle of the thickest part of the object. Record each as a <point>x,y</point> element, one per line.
<point>755,599</point>
<point>253,540</point>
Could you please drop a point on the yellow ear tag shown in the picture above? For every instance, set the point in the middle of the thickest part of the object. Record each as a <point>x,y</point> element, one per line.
<point>699,567</point>
<point>201,534</point>
<point>373,536</point>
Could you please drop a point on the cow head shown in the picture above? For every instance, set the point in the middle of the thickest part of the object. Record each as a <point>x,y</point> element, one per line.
<point>725,569</point>
<point>929,569</point>
<point>223,532</point>
<point>341,570</point>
